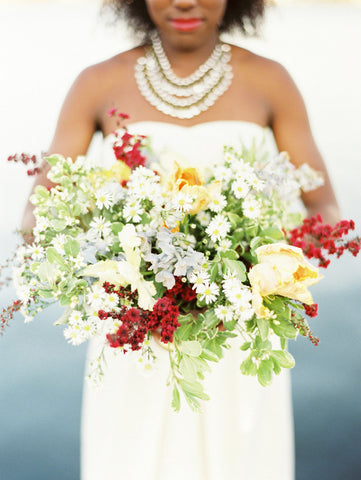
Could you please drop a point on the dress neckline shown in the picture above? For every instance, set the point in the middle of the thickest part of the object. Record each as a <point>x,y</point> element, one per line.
<point>130,126</point>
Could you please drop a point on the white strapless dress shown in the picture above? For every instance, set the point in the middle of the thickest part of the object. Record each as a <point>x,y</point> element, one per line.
<point>129,430</point>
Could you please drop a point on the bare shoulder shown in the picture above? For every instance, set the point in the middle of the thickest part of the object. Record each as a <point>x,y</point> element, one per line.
<point>116,68</point>
<point>261,69</point>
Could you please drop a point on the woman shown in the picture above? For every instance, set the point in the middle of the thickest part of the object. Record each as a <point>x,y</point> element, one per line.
<point>129,430</point>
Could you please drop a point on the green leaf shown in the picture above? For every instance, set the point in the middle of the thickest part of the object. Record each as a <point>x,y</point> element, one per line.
<point>235,219</point>
<point>46,293</point>
<point>214,271</point>
<point>284,358</point>
<point>65,300</point>
<point>264,372</point>
<point>276,366</point>
<point>272,232</point>
<point>188,368</point>
<point>263,327</point>
<point>213,347</point>
<point>235,267</point>
<point>58,225</point>
<point>249,367</point>
<point>54,257</point>
<point>246,346</point>
<point>184,331</point>
<point>175,399</point>
<point>229,325</point>
<point>42,192</point>
<point>210,319</point>
<point>251,229</point>
<point>117,227</point>
<point>191,347</point>
<point>46,272</point>
<point>193,388</point>
<point>72,248</point>
<point>209,355</point>
<point>76,210</point>
<point>231,254</point>
<point>283,328</point>
<point>34,266</point>
<point>54,159</point>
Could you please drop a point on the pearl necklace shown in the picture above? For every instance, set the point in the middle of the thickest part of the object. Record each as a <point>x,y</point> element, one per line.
<point>183,97</point>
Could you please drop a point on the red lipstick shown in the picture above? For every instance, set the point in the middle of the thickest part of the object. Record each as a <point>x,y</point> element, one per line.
<point>186,24</point>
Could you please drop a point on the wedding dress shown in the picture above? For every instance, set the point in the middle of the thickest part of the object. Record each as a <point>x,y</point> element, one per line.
<point>129,430</point>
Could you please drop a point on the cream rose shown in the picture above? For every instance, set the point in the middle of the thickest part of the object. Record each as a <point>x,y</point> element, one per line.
<point>282,270</point>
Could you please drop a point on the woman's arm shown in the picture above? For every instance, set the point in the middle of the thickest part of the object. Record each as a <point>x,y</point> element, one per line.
<point>74,131</point>
<point>292,132</point>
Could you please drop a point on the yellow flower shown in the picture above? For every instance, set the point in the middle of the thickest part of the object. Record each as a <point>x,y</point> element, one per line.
<point>188,180</point>
<point>120,171</point>
<point>282,270</point>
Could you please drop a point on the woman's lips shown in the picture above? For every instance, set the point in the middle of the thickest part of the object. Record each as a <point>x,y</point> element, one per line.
<point>186,24</point>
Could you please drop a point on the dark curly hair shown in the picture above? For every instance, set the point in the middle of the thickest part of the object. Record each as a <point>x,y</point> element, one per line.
<point>239,14</point>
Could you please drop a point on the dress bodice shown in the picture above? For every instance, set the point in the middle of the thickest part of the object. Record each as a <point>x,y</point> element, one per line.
<point>199,145</point>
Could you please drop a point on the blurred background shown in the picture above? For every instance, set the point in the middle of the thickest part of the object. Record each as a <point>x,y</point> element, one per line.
<point>43,46</point>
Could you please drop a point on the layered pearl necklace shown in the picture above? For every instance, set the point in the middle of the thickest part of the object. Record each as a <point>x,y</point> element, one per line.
<point>183,97</point>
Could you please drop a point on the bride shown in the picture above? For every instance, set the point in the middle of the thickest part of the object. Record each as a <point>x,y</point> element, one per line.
<point>192,94</point>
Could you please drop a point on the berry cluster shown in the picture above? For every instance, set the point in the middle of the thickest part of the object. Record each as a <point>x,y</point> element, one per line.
<point>8,313</point>
<point>129,150</point>
<point>25,159</point>
<point>316,238</point>
<point>302,326</point>
<point>181,291</point>
<point>136,323</point>
<point>132,330</point>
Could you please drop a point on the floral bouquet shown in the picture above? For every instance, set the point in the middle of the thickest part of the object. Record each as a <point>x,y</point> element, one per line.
<point>132,253</point>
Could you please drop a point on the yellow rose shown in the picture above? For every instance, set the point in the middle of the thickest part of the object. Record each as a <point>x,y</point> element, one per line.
<point>120,171</point>
<point>282,270</point>
<point>188,181</point>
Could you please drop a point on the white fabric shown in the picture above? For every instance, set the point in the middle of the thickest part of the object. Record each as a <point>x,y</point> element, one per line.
<point>129,431</point>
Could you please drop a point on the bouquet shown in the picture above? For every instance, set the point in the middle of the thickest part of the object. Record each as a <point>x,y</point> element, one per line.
<point>133,251</point>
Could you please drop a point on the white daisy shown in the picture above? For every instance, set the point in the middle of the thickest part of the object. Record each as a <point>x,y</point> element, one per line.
<point>104,198</point>
<point>251,207</point>
<point>204,218</point>
<point>218,203</point>
<point>218,227</point>
<point>100,226</point>
<point>36,252</point>
<point>208,292</point>
<point>223,245</point>
<point>199,278</point>
<point>224,313</point>
<point>182,202</point>
<point>240,188</point>
<point>133,211</point>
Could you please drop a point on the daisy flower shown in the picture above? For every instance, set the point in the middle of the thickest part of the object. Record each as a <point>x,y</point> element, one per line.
<point>104,198</point>
<point>100,226</point>
<point>208,292</point>
<point>133,211</point>
<point>218,203</point>
<point>218,227</point>
<point>251,207</point>
<point>240,188</point>
<point>224,313</point>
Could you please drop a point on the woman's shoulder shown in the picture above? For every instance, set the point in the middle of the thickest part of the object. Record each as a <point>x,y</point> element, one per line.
<point>116,67</point>
<point>258,66</point>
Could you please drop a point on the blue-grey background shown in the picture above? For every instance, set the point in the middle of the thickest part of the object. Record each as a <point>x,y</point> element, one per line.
<point>42,48</point>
